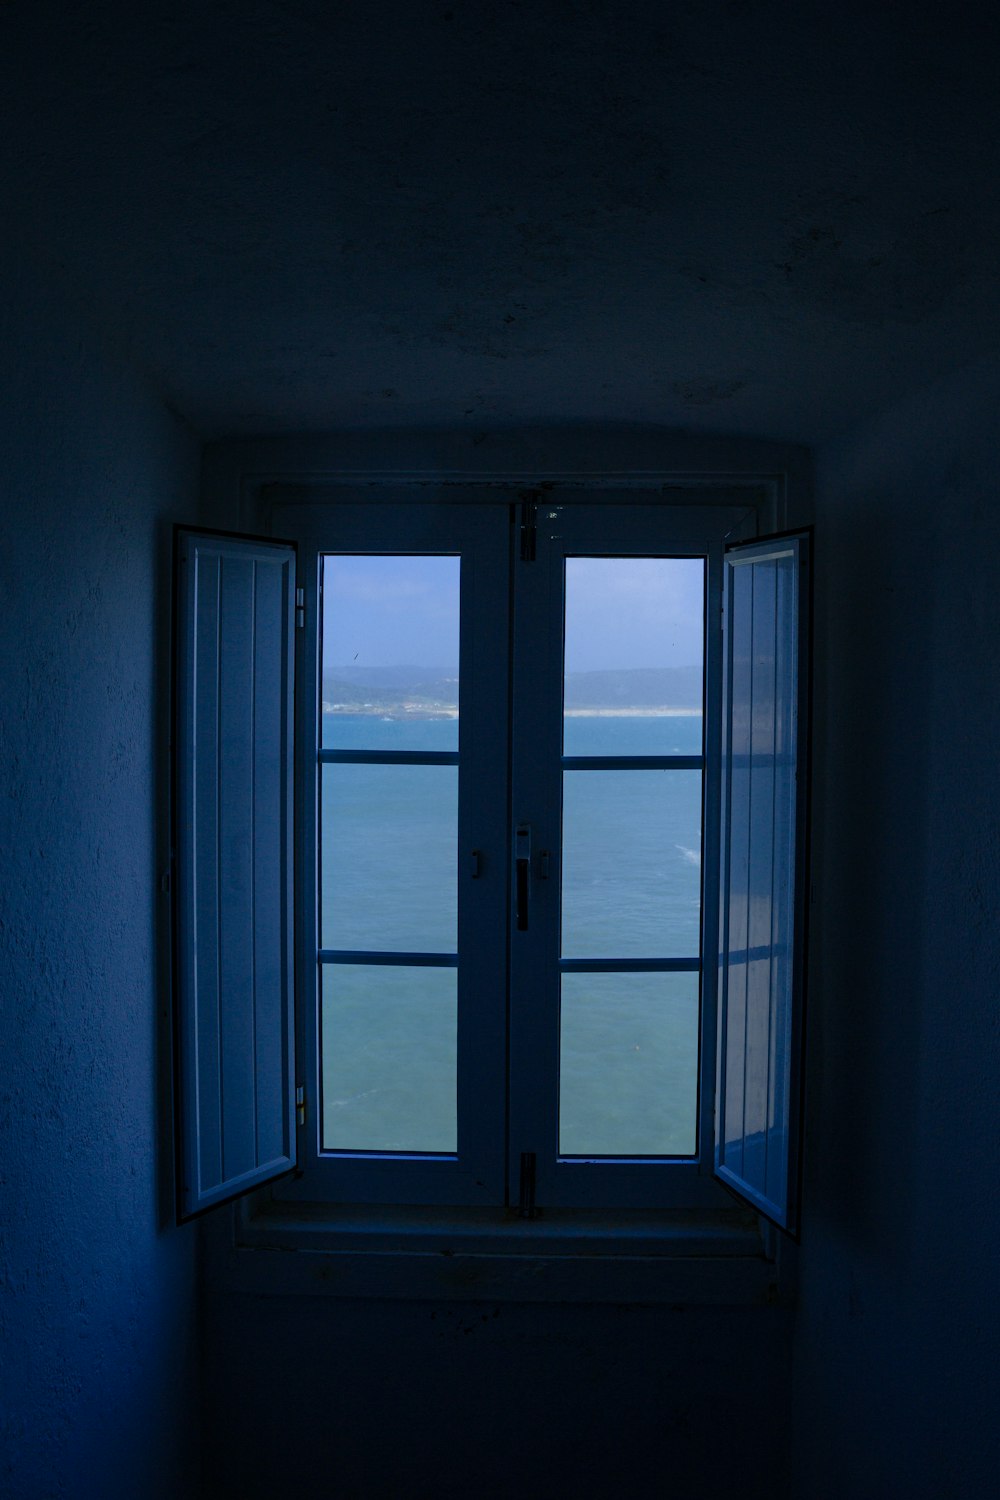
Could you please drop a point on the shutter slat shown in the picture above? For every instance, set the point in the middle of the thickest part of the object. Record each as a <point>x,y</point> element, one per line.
<point>236,838</point>
<point>270,937</point>
<point>760,878</point>
<point>199,970</point>
<point>783,907</point>
<point>738,892</point>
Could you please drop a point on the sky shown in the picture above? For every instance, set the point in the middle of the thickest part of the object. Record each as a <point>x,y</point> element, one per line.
<point>620,612</point>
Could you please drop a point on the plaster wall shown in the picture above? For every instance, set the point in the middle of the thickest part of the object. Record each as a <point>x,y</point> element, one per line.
<point>98,1382</point>
<point>896,1388</point>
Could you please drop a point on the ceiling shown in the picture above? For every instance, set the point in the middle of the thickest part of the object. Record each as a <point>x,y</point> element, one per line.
<point>745,217</point>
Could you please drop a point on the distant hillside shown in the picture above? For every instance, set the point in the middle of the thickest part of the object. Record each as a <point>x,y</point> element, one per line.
<point>387,687</point>
<point>638,687</point>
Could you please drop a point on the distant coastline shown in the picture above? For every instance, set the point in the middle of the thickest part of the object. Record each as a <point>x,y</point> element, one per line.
<point>632,713</point>
<point>408,692</point>
<point>391,710</point>
<point>430,711</point>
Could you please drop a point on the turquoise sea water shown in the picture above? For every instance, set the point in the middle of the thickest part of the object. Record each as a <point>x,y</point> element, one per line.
<point>630,888</point>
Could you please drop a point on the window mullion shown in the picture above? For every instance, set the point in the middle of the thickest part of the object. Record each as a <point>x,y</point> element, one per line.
<point>535,805</point>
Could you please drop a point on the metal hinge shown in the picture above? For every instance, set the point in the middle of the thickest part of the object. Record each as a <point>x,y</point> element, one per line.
<point>300,607</point>
<point>300,1105</point>
<point>529,531</point>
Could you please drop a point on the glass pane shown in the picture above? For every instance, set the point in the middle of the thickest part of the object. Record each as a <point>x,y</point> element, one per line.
<point>388,842</point>
<point>634,655</point>
<point>389,1058</point>
<point>631,868</point>
<point>628,1076</point>
<point>390,653</point>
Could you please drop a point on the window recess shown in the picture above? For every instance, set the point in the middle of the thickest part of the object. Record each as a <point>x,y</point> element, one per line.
<point>536,900</point>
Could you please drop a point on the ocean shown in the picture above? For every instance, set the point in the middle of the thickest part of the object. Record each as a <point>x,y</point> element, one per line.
<point>631,888</point>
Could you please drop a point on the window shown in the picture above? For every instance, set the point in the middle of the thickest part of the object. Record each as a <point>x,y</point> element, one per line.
<point>533,790</point>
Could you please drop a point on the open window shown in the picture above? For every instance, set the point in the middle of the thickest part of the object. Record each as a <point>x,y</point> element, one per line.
<point>529,818</point>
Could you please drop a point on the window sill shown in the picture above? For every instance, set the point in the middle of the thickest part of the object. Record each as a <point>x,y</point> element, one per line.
<point>280,1249</point>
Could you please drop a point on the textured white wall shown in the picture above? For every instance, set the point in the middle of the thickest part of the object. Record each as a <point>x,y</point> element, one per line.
<point>97,1294</point>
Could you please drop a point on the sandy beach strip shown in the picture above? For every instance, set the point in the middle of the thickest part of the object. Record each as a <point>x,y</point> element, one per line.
<point>632,713</point>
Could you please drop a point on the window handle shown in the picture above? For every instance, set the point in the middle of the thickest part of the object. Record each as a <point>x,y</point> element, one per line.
<point>522,872</point>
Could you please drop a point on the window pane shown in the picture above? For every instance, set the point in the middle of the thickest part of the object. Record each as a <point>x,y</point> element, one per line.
<point>609,733</point>
<point>628,1081</point>
<point>389,838</point>
<point>631,864</point>
<point>634,655</point>
<point>389,1058</point>
<point>390,652</point>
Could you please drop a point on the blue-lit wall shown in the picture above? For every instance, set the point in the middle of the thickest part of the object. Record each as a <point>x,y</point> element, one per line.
<point>893,1389</point>
<point>383,1399</point>
<point>895,1376</point>
<point>98,1346</point>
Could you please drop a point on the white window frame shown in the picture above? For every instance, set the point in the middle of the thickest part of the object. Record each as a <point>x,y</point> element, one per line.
<point>699,1191</point>
<point>569,1185</point>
